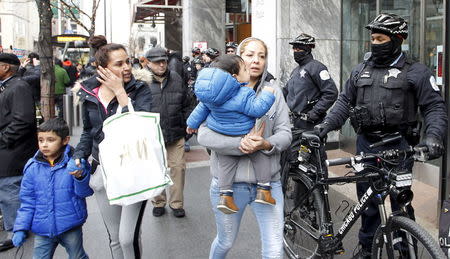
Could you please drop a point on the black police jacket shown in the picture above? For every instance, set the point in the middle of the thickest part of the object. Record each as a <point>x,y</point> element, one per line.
<point>18,141</point>
<point>310,90</point>
<point>32,75</point>
<point>418,82</point>
<point>172,101</point>
<point>94,113</point>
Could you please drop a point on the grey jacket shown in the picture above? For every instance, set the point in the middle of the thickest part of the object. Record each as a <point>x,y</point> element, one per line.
<point>277,132</point>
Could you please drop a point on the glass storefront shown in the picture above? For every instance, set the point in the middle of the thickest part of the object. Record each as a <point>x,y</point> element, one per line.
<point>425,22</point>
<point>434,33</point>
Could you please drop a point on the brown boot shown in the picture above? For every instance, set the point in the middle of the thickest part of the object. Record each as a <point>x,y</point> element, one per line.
<point>264,196</point>
<point>226,204</point>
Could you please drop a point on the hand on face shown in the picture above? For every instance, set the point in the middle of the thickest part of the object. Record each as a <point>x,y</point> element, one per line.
<point>110,80</point>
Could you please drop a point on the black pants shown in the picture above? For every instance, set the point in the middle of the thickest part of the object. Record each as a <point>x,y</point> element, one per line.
<point>59,105</point>
<point>370,218</point>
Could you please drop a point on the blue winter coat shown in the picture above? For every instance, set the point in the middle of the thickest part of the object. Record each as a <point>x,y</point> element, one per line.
<point>52,200</point>
<point>228,107</point>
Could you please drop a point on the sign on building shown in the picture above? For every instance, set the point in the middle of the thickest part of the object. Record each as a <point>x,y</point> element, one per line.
<point>202,45</point>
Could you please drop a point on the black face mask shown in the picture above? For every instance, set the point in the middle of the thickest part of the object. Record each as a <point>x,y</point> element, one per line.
<point>300,56</point>
<point>384,54</point>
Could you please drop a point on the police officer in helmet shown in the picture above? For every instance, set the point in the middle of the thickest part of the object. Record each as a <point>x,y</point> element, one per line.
<point>310,91</point>
<point>196,52</point>
<point>230,48</point>
<point>210,55</point>
<point>382,98</point>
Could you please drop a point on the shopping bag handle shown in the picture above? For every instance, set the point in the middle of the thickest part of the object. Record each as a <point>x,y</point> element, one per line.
<point>129,105</point>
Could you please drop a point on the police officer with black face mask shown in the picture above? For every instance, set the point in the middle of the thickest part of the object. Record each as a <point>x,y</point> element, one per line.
<point>382,97</point>
<point>310,91</point>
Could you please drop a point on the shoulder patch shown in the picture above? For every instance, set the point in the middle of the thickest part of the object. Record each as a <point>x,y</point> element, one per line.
<point>324,75</point>
<point>433,84</point>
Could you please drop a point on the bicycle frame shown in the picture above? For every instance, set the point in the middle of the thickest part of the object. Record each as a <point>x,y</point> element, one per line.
<point>328,241</point>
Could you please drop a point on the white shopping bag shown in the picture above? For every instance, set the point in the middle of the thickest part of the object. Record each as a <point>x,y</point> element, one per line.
<point>133,157</point>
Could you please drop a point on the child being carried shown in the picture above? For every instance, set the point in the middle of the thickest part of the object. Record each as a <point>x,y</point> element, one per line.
<point>231,108</point>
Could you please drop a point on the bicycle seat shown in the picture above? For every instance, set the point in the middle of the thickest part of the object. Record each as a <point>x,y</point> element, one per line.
<point>312,138</point>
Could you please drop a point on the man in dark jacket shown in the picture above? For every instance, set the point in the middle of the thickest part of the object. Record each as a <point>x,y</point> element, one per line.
<point>71,71</point>
<point>310,91</point>
<point>175,63</point>
<point>18,140</point>
<point>171,100</point>
<point>31,73</point>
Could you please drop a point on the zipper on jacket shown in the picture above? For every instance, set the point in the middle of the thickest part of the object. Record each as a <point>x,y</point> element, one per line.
<point>96,97</point>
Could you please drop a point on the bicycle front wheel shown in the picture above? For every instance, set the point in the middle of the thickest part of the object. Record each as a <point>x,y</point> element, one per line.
<point>405,239</point>
<point>303,217</point>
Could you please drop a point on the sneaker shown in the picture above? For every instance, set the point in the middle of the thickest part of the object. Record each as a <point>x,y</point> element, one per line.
<point>6,245</point>
<point>158,211</point>
<point>264,196</point>
<point>179,213</point>
<point>226,204</point>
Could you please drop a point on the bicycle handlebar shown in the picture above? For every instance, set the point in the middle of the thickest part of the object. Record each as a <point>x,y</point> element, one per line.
<point>339,161</point>
<point>388,154</point>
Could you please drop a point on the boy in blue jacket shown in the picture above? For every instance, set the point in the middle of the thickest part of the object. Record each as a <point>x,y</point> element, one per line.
<point>52,195</point>
<point>231,108</point>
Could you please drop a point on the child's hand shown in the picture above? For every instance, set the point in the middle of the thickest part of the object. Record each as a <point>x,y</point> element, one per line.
<point>269,89</point>
<point>18,238</point>
<point>191,131</point>
<point>75,167</point>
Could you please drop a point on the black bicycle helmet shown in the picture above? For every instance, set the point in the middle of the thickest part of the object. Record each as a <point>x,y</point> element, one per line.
<point>186,59</point>
<point>390,24</point>
<point>198,61</point>
<point>212,52</point>
<point>196,50</point>
<point>231,44</point>
<point>304,39</point>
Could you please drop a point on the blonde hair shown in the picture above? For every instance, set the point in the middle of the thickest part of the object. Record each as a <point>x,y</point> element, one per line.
<point>244,45</point>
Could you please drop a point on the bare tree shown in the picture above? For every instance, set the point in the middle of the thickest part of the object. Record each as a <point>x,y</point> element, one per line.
<point>46,57</point>
<point>70,9</point>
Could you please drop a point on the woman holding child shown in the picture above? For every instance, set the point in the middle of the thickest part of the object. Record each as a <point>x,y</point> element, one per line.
<point>101,95</point>
<point>271,138</point>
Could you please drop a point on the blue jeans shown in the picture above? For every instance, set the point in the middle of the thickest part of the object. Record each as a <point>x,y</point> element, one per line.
<point>72,241</point>
<point>9,199</point>
<point>270,220</point>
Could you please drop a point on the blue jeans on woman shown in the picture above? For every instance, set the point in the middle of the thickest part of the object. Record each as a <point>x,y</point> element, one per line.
<point>72,241</point>
<point>270,220</point>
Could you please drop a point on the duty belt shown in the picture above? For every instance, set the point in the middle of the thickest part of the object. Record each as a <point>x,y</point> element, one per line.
<point>298,115</point>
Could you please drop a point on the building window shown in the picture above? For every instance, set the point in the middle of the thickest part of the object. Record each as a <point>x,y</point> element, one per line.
<point>410,11</point>
<point>434,36</point>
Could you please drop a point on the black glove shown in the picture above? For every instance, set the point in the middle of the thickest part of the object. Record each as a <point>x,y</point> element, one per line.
<point>312,116</point>
<point>322,129</point>
<point>434,145</point>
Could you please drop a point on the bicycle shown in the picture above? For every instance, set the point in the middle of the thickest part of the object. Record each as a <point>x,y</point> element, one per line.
<point>309,230</point>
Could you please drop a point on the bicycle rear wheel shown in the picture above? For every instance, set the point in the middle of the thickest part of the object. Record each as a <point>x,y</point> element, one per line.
<point>302,221</point>
<point>409,240</point>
